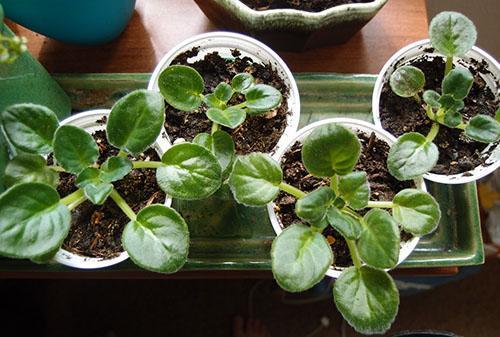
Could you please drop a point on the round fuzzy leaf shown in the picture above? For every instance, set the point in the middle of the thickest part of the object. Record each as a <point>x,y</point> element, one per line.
<point>230,117</point>
<point>220,144</point>
<point>223,92</point>
<point>416,211</point>
<point>32,220</point>
<point>452,33</point>
<point>449,104</point>
<point>213,102</point>
<point>367,298</point>
<point>158,240</point>
<point>411,156</point>
<point>355,189</point>
<point>136,120</point>
<point>262,98</point>
<point>182,87</point>
<point>407,81</point>
<point>74,148</point>
<point>255,179</point>
<point>346,225</point>
<point>432,98</point>
<point>93,187</point>
<point>300,258</point>
<point>26,168</point>
<point>115,168</point>
<point>483,128</point>
<point>190,172</point>
<point>312,208</point>
<point>452,119</point>
<point>242,82</point>
<point>330,149</point>
<point>30,127</point>
<point>457,83</point>
<point>379,242</point>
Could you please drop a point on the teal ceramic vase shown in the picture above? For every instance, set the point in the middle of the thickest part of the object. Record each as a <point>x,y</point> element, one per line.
<point>81,22</point>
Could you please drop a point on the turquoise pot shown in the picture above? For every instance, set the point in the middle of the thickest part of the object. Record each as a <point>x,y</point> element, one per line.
<point>73,21</point>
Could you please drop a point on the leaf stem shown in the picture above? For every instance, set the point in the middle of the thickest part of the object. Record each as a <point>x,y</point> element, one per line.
<point>241,105</point>
<point>215,127</point>
<point>354,253</point>
<point>430,112</point>
<point>432,132</point>
<point>76,203</point>
<point>449,65</point>
<point>122,153</point>
<point>334,184</point>
<point>417,98</point>
<point>292,190</point>
<point>146,164</point>
<point>461,126</point>
<point>117,198</point>
<point>352,213</point>
<point>56,168</point>
<point>380,204</point>
<point>73,197</point>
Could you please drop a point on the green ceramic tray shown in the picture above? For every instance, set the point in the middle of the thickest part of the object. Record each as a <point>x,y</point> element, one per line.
<point>245,245</point>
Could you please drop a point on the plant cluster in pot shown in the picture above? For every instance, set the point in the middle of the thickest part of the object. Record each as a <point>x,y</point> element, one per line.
<point>334,192</point>
<point>228,70</point>
<point>441,98</point>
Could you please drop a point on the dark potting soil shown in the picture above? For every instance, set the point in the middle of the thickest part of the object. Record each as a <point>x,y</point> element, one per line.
<point>308,6</point>
<point>96,229</point>
<point>257,133</point>
<point>372,160</point>
<point>457,153</point>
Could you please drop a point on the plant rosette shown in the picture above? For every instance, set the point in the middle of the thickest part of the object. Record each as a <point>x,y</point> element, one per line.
<point>91,121</point>
<point>408,82</point>
<point>223,43</point>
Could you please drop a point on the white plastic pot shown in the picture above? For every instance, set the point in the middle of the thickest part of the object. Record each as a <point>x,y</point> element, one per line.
<point>355,125</point>
<point>223,43</point>
<point>417,49</point>
<point>89,122</point>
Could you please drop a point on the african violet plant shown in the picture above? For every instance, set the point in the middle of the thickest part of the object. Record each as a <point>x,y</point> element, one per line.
<point>10,47</point>
<point>451,34</point>
<point>34,220</point>
<point>365,293</point>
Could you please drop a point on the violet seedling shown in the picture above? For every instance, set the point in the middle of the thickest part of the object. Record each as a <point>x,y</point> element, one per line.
<point>365,293</point>
<point>34,220</point>
<point>10,46</point>
<point>414,154</point>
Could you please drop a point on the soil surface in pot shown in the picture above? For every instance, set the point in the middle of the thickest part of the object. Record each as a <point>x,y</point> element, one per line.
<point>257,133</point>
<point>372,160</point>
<point>457,153</point>
<point>96,230</point>
<point>308,6</point>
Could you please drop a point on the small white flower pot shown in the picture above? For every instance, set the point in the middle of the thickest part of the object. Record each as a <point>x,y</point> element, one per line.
<point>89,122</point>
<point>223,43</point>
<point>416,50</point>
<point>355,125</point>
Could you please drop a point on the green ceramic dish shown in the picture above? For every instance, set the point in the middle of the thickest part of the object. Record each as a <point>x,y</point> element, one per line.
<point>289,28</point>
<point>244,240</point>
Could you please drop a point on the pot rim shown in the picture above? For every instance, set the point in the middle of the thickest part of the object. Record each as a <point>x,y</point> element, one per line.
<point>408,246</point>
<point>293,99</point>
<point>89,119</point>
<point>479,171</point>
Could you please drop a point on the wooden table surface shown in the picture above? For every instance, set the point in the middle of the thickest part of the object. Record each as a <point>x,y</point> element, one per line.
<point>158,25</point>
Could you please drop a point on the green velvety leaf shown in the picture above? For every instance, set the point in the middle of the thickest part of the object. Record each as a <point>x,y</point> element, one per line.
<point>32,220</point>
<point>416,211</point>
<point>262,98</point>
<point>432,98</point>
<point>230,117</point>
<point>182,87</point>
<point>220,144</point>
<point>213,102</point>
<point>378,244</point>
<point>449,104</point>
<point>452,33</point>
<point>74,149</point>
<point>457,83</point>
<point>30,127</point>
<point>255,179</point>
<point>367,298</point>
<point>330,149</point>
<point>4,158</point>
<point>190,172</point>
<point>93,187</point>
<point>242,82</point>
<point>223,92</point>
<point>45,258</point>
<point>158,240</point>
<point>407,81</point>
<point>136,120</point>
<point>115,168</point>
<point>26,168</point>
<point>312,208</point>
<point>300,258</point>
<point>355,189</point>
<point>452,119</point>
<point>345,224</point>
<point>483,128</point>
<point>411,156</point>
